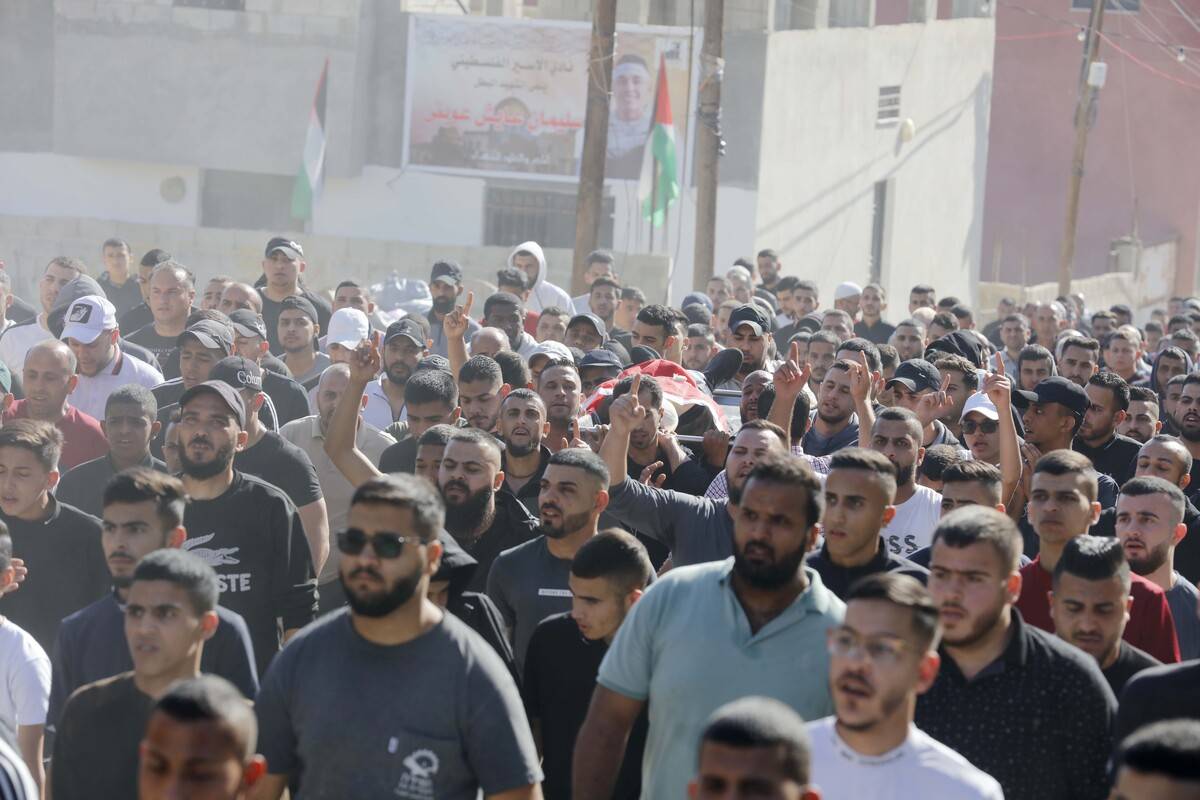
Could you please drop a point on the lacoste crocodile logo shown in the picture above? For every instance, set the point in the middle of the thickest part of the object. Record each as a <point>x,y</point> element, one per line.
<point>219,557</point>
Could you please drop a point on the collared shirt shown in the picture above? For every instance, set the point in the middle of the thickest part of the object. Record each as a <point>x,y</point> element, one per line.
<point>839,579</point>
<point>1038,718</point>
<point>306,434</point>
<point>92,392</point>
<point>378,411</point>
<point>693,617</point>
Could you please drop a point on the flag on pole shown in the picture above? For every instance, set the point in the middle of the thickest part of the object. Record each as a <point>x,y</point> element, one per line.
<point>312,168</point>
<point>658,185</point>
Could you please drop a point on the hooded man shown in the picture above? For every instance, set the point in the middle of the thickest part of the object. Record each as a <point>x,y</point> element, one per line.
<point>529,258</point>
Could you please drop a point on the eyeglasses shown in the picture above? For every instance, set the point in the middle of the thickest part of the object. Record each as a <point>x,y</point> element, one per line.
<point>843,644</point>
<point>352,541</point>
<point>987,426</point>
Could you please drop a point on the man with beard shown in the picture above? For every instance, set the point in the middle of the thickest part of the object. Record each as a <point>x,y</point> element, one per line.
<point>752,389</point>
<point>523,426</point>
<point>835,425</point>
<point>1053,742</point>
<point>1142,421</point>
<point>530,582</point>
<point>482,519</point>
<point>1090,605</point>
<point>649,448</point>
<point>882,658</point>
<point>771,613</point>
<point>750,332</point>
<point>1187,419</point>
<point>1111,453</point>
<point>446,286</point>
<point>473,734</point>
<point>481,390</point>
<point>1079,359</point>
<point>92,334</point>
<point>1149,523</point>
<point>908,339</point>
<point>897,435</point>
<point>403,346</point>
<point>245,529</point>
<point>507,312</point>
<point>560,388</point>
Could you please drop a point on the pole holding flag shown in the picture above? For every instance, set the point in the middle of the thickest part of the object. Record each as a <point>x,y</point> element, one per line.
<point>312,168</point>
<point>658,185</point>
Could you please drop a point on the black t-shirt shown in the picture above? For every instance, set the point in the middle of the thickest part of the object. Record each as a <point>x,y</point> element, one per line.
<point>280,463</point>
<point>1130,661</point>
<point>67,570</point>
<point>96,747</point>
<point>276,365</point>
<point>149,338</point>
<point>1117,459</point>
<point>270,315</point>
<point>252,536</point>
<point>137,317</point>
<point>287,396</point>
<point>560,674</point>
<point>399,457</point>
<point>83,485</point>
<point>879,333</point>
<point>125,297</point>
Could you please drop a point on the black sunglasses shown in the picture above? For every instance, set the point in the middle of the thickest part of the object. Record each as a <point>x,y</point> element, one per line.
<point>987,426</point>
<point>352,541</point>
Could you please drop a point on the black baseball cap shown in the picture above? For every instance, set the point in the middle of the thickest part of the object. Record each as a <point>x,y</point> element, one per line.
<point>446,272</point>
<point>752,315</point>
<point>248,323</point>
<point>407,328</point>
<point>290,249</point>
<point>434,362</point>
<point>640,354</point>
<point>600,358</point>
<point>238,372</point>
<point>223,390</point>
<point>210,334</point>
<point>1055,390</point>
<point>593,320</point>
<point>299,303</point>
<point>917,375</point>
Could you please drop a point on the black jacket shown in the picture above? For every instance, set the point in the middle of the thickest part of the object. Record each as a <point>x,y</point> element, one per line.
<point>839,579</point>
<point>473,608</point>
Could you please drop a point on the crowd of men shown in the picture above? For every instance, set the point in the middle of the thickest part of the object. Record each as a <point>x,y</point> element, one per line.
<point>259,539</point>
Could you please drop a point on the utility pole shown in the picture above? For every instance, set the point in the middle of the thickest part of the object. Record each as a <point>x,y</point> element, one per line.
<point>708,142</point>
<point>1087,96</point>
<point>595,138</point>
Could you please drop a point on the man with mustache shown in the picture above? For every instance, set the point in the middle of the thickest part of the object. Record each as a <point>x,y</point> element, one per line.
<point>769,612</point>
<point>1144,417</point>
<point>403,345</point>
<point>484,520</point>
<point>897,435</point>
<point>531,582</point>
<point>245,529</point>
<point>446,285</point>
<point>1186,416</point>
<point>481,389</point>
<point>522,428</point>
<point>317,708</point>
<point>1111,453</point>
<point>1052,742</point>
<point>881,659</point>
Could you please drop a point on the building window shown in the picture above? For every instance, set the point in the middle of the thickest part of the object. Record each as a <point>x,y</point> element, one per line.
<point>544,216</point>
<point>221,5</point>
<point>246,201</point>
<point>887,113</point>
<point>1110,6</point>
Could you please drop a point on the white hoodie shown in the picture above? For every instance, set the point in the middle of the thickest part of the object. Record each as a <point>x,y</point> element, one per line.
<point>544,293</point>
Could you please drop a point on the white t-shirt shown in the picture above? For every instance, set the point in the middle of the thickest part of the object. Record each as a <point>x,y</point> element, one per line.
<point>920,767</point>
<point>91,395</point>
<point>912,527</point>
<point>24,681</point>
<point>18,339</point>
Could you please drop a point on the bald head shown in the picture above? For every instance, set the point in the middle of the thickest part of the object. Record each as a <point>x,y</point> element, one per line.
<point>240,296</point>
<point>330,388</point>
<point>488,342</point>
<point>52,351</point>
<point>48,376</point>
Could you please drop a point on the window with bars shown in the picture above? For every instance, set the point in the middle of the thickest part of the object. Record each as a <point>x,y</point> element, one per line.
<point>545,216</point>
<point>887,111</point>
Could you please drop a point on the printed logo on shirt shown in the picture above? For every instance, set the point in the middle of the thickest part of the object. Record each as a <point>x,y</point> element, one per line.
<point>220,557</point>
<point>416,783</point>
<point>902,545</point>
<point>554,593</point>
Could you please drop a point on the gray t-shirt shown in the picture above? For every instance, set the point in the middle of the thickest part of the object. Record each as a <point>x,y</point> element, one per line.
<point>527,583</point>
<point>435,717</point>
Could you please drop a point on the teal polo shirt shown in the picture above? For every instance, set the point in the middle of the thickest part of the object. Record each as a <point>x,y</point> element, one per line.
<point>686,648</point>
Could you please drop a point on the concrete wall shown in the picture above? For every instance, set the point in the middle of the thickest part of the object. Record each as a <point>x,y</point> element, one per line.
<point>822,153</point>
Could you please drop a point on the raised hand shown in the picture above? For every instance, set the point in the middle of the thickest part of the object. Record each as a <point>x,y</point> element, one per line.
<point>647,476</point>
<point>861,379</point>
<point>626,412</point>
<point>20,571</point>
<point>716,447</point>
<point>576,439</point>
<point>594,436</point>
<point>935,405</point>
<point>790,378</point>
<point>366,362</point>
<point>998,387</point>
<point>456,324</point>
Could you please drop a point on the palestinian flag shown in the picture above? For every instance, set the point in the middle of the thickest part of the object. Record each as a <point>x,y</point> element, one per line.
<point>659,186</point>
<point>312,169</point>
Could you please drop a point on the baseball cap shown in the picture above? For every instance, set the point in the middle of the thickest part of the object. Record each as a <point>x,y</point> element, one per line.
<point>222,390</point>
<point>697,298</point>
<point>600,358</point>
<point>295,302</point>
<point>980,403</point>
<point>407,328</point>
<point>348,327</point>
<point>212,335</point>
<point>1056,389</point>
<point>434,362</point>
<point>247,323</point>
<point>550,349</point>
<point>595,322</point>
<point>847,289</point>
<point>446,272</point>
<point>751,315</point>
<point>238,372</point>
<point>290,249</point>
<point>88,317</point>
<point>917,375</point>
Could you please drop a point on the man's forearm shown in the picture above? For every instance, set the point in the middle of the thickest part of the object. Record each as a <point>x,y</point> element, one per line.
<point>615,452</point>
<point>315,518</point>
<point>781,412</point>
<point>599,749</point>
<point>866,421</point>
<point>456,353</point>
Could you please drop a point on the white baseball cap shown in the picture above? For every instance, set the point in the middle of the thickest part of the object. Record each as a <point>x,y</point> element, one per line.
<point>87,318</point>
<point>980,402</point>
<point>847,289</point>
<point>348,327</point>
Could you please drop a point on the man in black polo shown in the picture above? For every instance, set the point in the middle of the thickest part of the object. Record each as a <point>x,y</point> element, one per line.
<point>1112,454</point>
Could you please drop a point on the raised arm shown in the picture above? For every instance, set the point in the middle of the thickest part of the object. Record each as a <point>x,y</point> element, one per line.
<point>455,325</point>
<point>789,380</point>
<point>861,381</point>
<point>340,438</point>
<point>998,389</point>
<point>625,414</point>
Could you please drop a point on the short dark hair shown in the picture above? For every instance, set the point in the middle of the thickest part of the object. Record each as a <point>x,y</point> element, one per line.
<point>860,345</point>
<point>600,256</point>
<point>961,312</point>
<point>1148,485</point>
<point>554,311</point>
<point>1068,462</point>
<point>1143,394</point>
<point>701,331</point>
<point>1169,747</point>
<point>512,276</point>
<point>114,242</point>
<point>513,369</point>
<point>947,302</point>
<point>482,438</point>
<point>957,363</point>
<point>603,281</point>
<point>480,368</point>
<point>586,460</point>
<point>649,384</point>
<point>945,320</point>
<point>964,527</point>
<point>211,698</point>
<point>617,556</point>
<point>1093,558</point>
<point>938,459</point>
<point>867,461</point>
<point>972,471</point>
<point>763,722</point>
<point>187,571</point>
<point>431,385</point>
<point>133,394</point>
<point>400,491</point>
<point>800,411</point>
<point>921,288</point>
<point>1035,352</point>
<point>552,362</point>
<point>524,394</point>
<point>1082,342</point>
<point>141,485</point>
<point>40,438</point>
<point>1166,438</point>
<point>794,472</point>
<point>899,414</point>
<point>67,262</point>
<point>633,293</point>
<point>501,299</point>
<point>764,425</point>
<point>905,592</point>
<point>697,314</point>
<point>808,286</point>
<point>1115,384</point>
<point>437,435</point>
<point>658,316</point>
<point>824,337</point>
<point>153,257</point>
<point>889,357</point>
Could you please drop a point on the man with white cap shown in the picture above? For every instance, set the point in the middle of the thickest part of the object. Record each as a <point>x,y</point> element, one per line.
<point>91,331</point>
<point>846,297</point>
<point>545,353</point>
<point>348,327</point>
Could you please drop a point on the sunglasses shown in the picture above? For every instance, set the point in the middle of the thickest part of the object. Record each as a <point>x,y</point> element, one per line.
<point>352,541</point>
<point>987,426</point>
